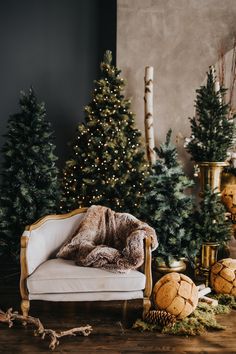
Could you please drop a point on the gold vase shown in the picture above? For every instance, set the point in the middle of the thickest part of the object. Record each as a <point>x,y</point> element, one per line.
<point>210,174</point>
<point>175,266</point>
<point>209,252</point>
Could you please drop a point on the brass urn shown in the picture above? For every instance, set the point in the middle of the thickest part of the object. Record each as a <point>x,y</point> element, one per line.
<point>210,174</point>
<point>176,265</point>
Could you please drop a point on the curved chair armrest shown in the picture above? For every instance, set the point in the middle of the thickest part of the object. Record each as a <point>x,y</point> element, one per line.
<point>148,273</point>
<point>24,269</point>
<point>148,267</point>
<point>41,240</point>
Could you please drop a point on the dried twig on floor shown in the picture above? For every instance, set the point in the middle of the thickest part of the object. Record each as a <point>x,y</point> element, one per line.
<point>9,317</point>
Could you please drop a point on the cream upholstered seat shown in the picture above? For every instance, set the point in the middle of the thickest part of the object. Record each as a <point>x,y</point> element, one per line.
<point>62,280</point>
<point>44,277</point>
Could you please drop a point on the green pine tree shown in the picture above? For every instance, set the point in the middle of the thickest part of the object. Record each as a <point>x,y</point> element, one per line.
<point>107,164</point>
<point>166,207</point>
<point>210,221</point>
<point>29,187</point>
<point>212,130</point>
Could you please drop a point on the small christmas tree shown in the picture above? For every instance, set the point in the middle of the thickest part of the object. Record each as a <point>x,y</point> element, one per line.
<point>29,187</point>
<point>211,224</point>
<point>166,207</point>
<point>107,165</point>
<point>212,130</point>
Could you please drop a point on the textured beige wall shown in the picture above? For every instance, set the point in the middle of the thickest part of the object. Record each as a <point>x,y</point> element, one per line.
<point>180,38</point>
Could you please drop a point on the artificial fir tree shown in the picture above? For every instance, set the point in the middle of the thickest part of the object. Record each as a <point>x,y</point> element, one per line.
<point>210,223</point>
<point>166,207</point>
<point>29,187</point>
<point>107,165</point>
<point>212,130</point>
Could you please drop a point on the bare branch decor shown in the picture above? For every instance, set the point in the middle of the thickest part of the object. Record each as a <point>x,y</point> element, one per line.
<point>10,317</point>
<point>232,78</point>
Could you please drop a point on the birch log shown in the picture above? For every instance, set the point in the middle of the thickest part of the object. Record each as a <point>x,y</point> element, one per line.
<point>216,82</point>
<point>217,89</point>
<point>148,111</point>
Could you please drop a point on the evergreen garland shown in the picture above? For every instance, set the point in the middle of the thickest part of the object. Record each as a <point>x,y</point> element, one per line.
<point>107,164</point>
<point>29,187</point>
<point>212,130</point>
<point>166,207</point>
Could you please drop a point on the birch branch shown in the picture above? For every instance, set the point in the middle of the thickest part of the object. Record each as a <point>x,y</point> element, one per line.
<point>148,112</point>
<point>216,83</point>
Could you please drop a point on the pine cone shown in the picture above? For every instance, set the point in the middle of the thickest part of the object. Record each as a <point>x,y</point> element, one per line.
<point>160,317</point>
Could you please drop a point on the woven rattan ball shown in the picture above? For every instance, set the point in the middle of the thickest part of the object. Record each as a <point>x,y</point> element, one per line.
<point>177,294</point>
<point>223,276</point>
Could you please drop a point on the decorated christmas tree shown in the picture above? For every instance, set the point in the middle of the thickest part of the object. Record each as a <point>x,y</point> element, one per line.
<point>29,187</point>
<point>107,164</point>
<point>211,224</point>
<point>166,207</point>
<point>212,130</point>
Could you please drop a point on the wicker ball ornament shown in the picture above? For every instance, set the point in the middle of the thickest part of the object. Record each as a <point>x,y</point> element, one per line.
<point>177,294</point>
<point>223,276</point>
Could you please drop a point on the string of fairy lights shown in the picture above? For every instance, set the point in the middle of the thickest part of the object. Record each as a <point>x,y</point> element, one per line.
<point>103,151</point>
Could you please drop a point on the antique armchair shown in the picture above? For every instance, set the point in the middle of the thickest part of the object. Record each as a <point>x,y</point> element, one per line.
<point>45,277</point>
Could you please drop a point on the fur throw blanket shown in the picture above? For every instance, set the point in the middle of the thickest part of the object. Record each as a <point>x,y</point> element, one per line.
<point>109,240</point>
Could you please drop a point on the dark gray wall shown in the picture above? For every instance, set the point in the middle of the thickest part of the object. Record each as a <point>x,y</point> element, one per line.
<point>55,46</point>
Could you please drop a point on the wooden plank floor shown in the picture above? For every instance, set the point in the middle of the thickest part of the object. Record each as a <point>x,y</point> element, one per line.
<point>112,332</point>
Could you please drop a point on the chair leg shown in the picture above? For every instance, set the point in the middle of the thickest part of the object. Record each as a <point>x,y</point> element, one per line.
<point>25,306</point>
<point>146,305</point>
<point>125,310</point>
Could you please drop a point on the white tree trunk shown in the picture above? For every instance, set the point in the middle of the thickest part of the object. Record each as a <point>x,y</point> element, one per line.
<point>217,89</point>
<point>148,111</point>
<point>216,82</point>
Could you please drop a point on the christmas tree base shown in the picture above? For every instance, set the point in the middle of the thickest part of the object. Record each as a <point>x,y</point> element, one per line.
<point>160,268</point>
<point>209,253</point>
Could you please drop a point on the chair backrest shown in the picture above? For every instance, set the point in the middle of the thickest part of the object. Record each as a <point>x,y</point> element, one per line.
<point>48,234</point>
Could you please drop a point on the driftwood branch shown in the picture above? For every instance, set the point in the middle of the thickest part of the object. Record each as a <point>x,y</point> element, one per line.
<point>10,317</point>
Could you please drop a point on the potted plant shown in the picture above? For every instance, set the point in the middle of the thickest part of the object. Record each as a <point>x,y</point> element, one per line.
<point>211,228</point>
<point>212,132</point>
<point>167,208</point>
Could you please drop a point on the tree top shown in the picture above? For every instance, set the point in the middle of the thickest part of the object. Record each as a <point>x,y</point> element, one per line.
<point>107,57</point>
